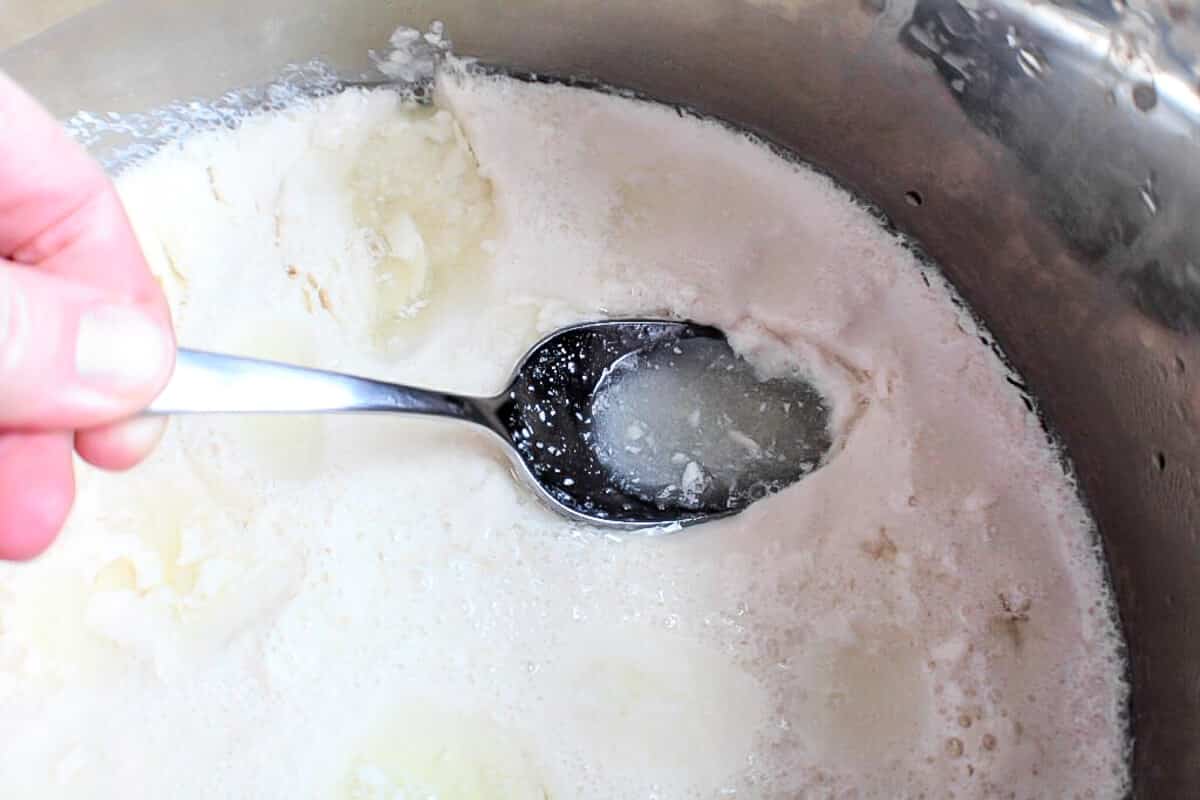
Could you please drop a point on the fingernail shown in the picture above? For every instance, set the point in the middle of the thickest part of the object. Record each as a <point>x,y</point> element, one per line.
<point>122,445</point>
<point>137,437</point>
<point>119,347</point>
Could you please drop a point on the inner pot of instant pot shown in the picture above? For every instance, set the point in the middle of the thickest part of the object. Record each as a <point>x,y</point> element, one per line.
<point>1045,156</point>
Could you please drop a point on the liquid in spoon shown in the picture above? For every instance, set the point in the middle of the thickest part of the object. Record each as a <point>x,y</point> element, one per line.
<point>690,424</point>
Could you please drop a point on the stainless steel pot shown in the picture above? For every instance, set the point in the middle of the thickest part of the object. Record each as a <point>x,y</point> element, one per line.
<point>1045,154</point>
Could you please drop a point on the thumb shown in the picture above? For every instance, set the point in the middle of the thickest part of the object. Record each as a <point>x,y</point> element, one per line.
<point>74,356</point>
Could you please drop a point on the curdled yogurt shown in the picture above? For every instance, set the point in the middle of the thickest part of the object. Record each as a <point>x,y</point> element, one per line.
<point>376,608</point>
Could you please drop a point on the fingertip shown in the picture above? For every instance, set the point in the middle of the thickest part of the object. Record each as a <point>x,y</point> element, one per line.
<point>122,445</point>
<point>37,487</point>
<point>74,357</point>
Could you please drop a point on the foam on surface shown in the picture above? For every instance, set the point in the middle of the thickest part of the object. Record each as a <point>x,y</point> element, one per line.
<point>370,608</point>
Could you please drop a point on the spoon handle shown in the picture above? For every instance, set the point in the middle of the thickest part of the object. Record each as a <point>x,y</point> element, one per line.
<point>210,383</point>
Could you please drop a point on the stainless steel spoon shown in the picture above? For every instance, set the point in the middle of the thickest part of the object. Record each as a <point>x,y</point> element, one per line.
<point>547,416</point>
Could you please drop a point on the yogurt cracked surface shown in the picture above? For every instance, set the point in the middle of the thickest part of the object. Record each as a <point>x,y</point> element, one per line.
<point>376,608</point>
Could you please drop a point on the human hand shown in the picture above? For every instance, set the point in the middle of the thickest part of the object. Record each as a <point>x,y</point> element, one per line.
<point>85,334</point>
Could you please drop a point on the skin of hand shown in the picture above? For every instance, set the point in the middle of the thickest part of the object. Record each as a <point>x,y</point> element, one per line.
<point>85,333</point>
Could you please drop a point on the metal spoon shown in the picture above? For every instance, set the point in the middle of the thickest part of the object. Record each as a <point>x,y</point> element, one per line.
<point>553,417</point>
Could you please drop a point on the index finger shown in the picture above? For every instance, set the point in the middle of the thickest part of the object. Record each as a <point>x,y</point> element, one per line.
<point>58,209</point>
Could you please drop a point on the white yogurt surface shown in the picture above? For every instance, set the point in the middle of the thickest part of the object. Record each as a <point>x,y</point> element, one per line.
<point>376,608</point>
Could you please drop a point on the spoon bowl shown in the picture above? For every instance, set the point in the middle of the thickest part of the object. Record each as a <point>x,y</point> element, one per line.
<point>556,417</point>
